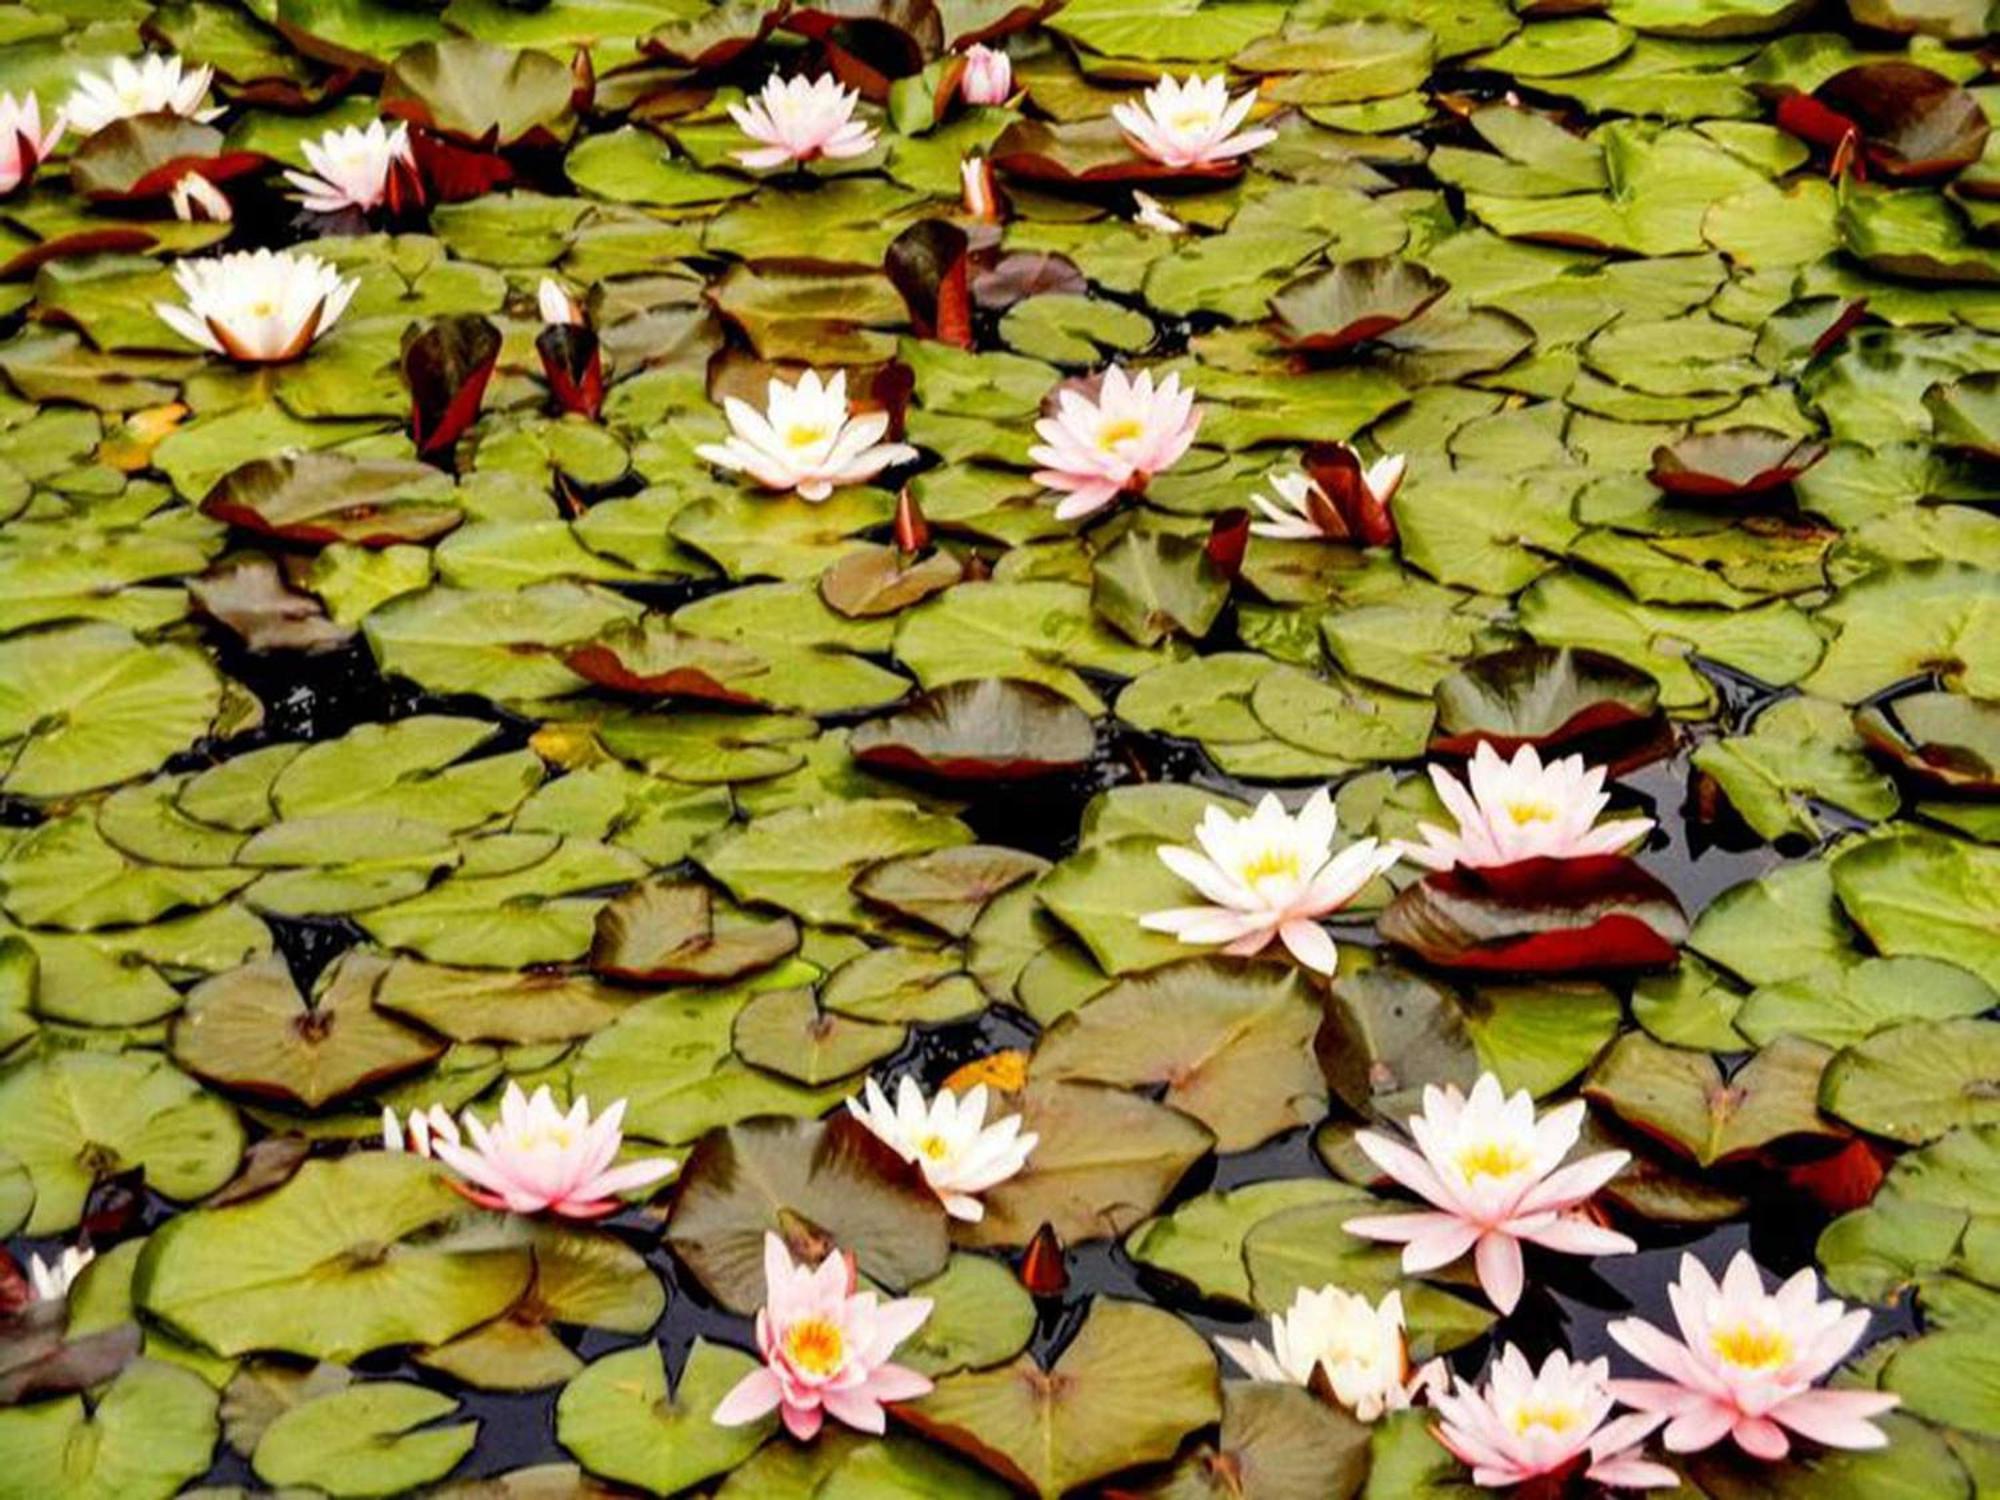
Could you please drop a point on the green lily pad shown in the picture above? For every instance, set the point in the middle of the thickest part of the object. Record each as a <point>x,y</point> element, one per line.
<point>148,1433</point>
<point>1925,895</point>
<point>619,1417</point>
<point>1914,1082</point>
<point>1682,1097</point>
<point>362,1441</point>
<point>349,1256</point>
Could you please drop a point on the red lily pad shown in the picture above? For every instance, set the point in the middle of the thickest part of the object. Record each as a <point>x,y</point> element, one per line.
<point>1914,124</point>
<point>869,43</point>
<point>447,366</point>
<point>1732,464</point>
<point>454,173</point>
<point>1556,698</point>
<point>1090,152</point>
<point>328,497</point>
<point>649,658</point>
<point>573,365</point>
<point>1337,307</point>
<point>147,155</point>
<point>1540,916</point>
<point>993,729</point>
<point>1945,739</point>
<point>1341,502</point>
<point>714,38</point>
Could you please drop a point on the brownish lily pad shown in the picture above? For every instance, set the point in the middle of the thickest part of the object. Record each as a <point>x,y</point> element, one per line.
<point>993,729</point>
<point>328,497</point>
<point>947,888</point>
<point>1683,1097</point>
<point>1915,124</point>
<point>1733,464</point>
<point>1337,307</point>
<point>929,264</point>
<point>880,580</point>
<point>146,156</point>
<point>822,1186</point>
<point>670,932</point>
<point>1089,153</point>
<point>1540,916</point>
<point>1557,698</point>
<point>247,592</point>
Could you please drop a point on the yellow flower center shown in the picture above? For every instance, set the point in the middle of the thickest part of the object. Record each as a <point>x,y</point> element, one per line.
<point>1750,1346</point>
<point>1193,119</point>
<point>1492,1159</point>
<point>815,1345</point>
<point>804,436</point>
<point>935,1147</point>
<point>263,309</point>
<point>1550,1418</point>
<point>1524,813</point>
<point>551,1138</point>
<point>1269,862</point>
<point>1111,434</point>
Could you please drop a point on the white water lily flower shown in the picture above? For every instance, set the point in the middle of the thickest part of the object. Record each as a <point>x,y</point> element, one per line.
<point>801,120</point>
<point>1748,1363</point>
<point>1190,122</point>
<point>351,168</point>
<point>1269,875</point>
<point>425,1126</point>
<point>257,306</point>
<point>53,1279</point>
<point>555,304</point>
<point>536,1158</point>
<point>197,200</point>
<point>159,83</point>
<point>1302,511</point>
<point>1522,809</point>
<point>1152,215</point>
<point>1492,1174</point>
<point>23,142</point>
<point>1360,1348</point>
<point>806,439</point>
<point>1528,1423</point>
<point>1094,451</point>
<point>959,1154</point>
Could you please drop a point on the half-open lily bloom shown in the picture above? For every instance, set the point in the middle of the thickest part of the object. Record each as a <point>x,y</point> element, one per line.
<point>1494,1178</point>
<point>555,304</point>
<point>23,142</point>
<point>981,197</point>
<point>159,83</point>
<point>425,1125</point>
<point>988,77</point>
<point>1190,122</point>
<point>53,1279</point>
<point>1359,1347</point>
<point>1095,451</point>
<point>351,167</point>
<point>196,200</point>
<point>535,1158</point>
<point>801,120</point>
<point>1526,1423</point>
<point>1521,809</point>
<point>826,1349</point>
<point>1152,214</point>
<point>959,1154</point>
<point>1302,511</point>
<point>1269,875</point>
<point>805,439</point>
<point>257,306</point>
<point>1746,1364</point>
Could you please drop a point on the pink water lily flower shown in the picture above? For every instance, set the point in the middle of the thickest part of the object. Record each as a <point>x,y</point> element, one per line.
<point>826,1349</point>
<point>1094,451</point>
<point>535,1158</point>
<point>988,77</point>
<point>1746,1364</point>
<point>1527,1423</point>
<point>806,439</point>
<point>1190,122</point>
<point>801,120</point>
<point>24,144</point>
<point>1268,875</point>
<point>351,168</point>
<point>1493,1175</point>
<point>1522,809</point>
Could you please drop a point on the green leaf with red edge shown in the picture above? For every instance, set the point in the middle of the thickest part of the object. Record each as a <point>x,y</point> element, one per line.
<point>821,1185</point>
<point>1337,307</point>
<point>146,156</point>
<point>1557,698</point>
<point>1540,917</point>
<point>482,93</point>
<point>330,497</point>
<point>1945,739</point>
<point>1683,1097</point>
<point>649,658</point>
<point>1090,153</point>
<point>1733,464</point>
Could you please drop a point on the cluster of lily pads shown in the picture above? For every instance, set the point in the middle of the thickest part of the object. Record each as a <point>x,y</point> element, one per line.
<point>822,735</point>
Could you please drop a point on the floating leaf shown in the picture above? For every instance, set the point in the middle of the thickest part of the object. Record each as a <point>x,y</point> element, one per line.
<point>1944,739</point>
<point>1733,464</point>
<point>619,1417</point>
<point>1915,124</point>
<point>1132,1383</point>
<point>787,1033</point>
<point>672,934</point>
<point>362,1441</point>
<point>148,1433</point>
<point>327,497</point>
<point>988,730</point>
<point>1549,697</point>
<point>1329,310</point>
<point>1576,914</point>
<point>1912,1083</point>
<point>949,888</point>
<point>1683,1098</point>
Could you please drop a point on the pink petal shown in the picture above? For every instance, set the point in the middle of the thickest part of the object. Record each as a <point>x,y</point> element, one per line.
<point>755,1395</point>
<point>1838,1419</point>
<point>1498,1259</point>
